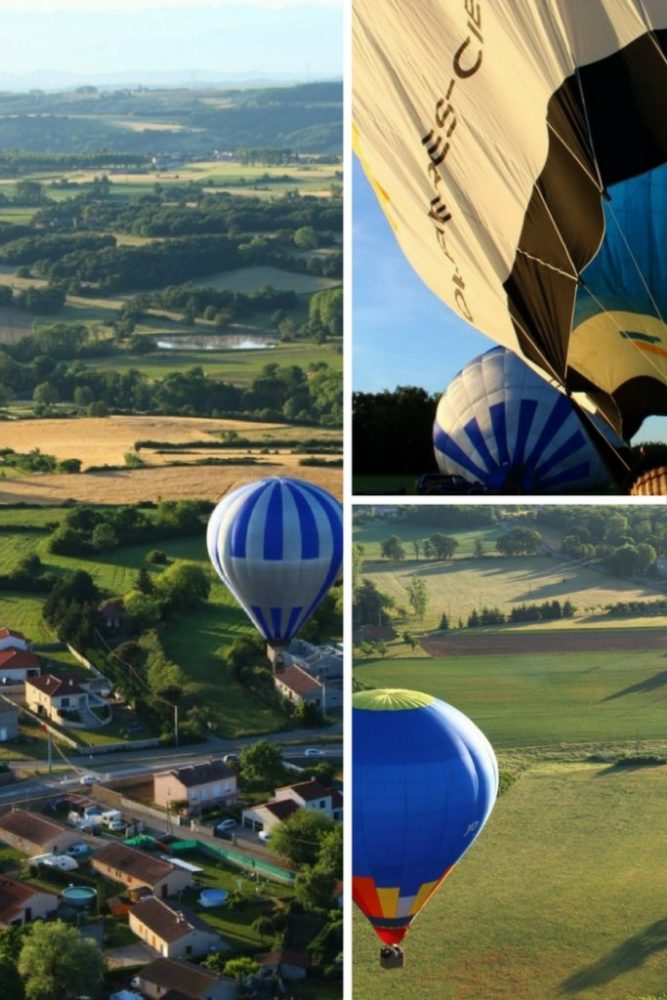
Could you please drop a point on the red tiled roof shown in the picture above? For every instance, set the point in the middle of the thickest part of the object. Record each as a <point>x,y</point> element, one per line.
<point>166,923</point>
<point>18,659</point>
<point>132,862</point>
<point>297,680</point>
<point>281,809</point>
<point>309,790</point>
<point>56,686</point>
<point>184,977</point>
<point>202,774</point>
<point>30,826</point>
<point>14,894</point>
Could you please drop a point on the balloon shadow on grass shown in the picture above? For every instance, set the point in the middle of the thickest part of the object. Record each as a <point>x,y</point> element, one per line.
<point>629,955</point>
<point>642,687</point>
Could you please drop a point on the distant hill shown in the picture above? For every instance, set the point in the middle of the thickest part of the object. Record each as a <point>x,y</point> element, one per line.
<point>303,117</point>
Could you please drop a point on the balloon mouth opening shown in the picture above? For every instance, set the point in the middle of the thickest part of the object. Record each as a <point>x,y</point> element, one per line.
<point>391,935</point>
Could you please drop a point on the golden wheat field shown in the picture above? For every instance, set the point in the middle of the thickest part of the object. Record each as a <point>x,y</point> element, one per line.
<point>106,440</point>
<point>155,483</point>
<point>99,441</point>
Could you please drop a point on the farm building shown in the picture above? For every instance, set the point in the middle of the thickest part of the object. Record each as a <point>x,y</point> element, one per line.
<point>172,933</point>
<point>288,964</point>
<point>286,800</point>
<point>32,833</point>
<point>199,785</point>
<point>138,870</point>
<point>184,980</point>
<point>49,695</point>
<point>296,685</point>
<point>21,903</point>
<point>9,722</point>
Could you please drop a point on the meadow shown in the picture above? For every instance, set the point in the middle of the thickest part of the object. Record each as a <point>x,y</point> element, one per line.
<point>545,698</point>
<point>463,585</point>
<point>558,898</point>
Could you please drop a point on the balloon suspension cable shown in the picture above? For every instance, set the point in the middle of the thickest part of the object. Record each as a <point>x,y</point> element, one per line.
<point>613,215</point>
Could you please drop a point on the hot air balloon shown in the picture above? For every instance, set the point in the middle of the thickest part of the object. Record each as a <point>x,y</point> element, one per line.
<point>425,780</point>
<point>502,424</point>
<point>277,545</point>
<point>519,152</point>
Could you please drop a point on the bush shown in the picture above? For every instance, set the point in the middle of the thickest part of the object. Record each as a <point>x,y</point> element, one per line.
<point>157,557</point>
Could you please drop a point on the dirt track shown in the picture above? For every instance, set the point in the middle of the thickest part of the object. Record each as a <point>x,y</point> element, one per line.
<point>518,643</point>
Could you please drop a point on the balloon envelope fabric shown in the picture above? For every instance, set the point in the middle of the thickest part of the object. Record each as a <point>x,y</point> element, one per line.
<point>277,544</point>
<point>501,423</point>
<point>425,780</point>
<point>519,152</point>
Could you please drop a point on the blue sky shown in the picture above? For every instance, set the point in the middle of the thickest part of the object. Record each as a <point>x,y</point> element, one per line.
<point>402,333</point>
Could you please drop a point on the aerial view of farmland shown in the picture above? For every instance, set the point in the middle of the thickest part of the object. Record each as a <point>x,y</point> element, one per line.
<point>545,626</point>
<point>171,454</point>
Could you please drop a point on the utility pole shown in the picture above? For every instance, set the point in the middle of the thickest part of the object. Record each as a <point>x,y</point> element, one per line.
<point>175,725</point>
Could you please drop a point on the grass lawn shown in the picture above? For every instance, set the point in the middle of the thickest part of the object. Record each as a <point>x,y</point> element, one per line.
<point>384,485</point>
<point>234,923</point>
<point>558,898</point>
<point>543,699</point>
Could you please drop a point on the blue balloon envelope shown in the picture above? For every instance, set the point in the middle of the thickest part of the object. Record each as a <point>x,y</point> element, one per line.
<point>277,544</point>
<point>425,780</point>
<point>502,424</point>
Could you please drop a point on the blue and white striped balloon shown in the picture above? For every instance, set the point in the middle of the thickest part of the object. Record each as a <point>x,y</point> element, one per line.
<point>502,424</point>
<point>277,544</point>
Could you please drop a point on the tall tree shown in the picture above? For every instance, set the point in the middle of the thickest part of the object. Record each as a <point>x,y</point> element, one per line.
<point>56,963</point>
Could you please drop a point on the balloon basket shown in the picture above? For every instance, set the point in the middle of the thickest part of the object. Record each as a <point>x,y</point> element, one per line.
<point>392,958</point>
<point>652,483</point>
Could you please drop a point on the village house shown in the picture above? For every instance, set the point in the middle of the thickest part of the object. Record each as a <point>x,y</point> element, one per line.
<point>11,639</point>
<point>21,903</point>
<point>9,721</point>
<point>199,785</point>
<point>17,661</point>
<point>287,799</point>
<point>50,696</point>
<point>173,933</point>
<point>137,870</point>
<point>165,976</point>
<point>32,833</point>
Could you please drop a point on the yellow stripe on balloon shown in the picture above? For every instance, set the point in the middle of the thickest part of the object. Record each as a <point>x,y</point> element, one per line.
<point>425,891</point>
<point>388,901</point>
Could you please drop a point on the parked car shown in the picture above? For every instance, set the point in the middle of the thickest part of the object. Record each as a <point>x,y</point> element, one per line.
<point>313,752</point>
<point>438,484</point>
<point>77,849</point>
<point>231,758</point>
<point>117,825</point>
<point>264,835</point>
<point>88,779</point>
<point>225,824</point>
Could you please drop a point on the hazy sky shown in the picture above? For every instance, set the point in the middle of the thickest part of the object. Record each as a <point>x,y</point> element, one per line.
<point>55,42</point>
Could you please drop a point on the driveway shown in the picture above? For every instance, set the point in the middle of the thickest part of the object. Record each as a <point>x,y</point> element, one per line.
<point>130,954</point>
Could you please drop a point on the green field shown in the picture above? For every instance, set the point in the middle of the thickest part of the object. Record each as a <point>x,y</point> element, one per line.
<point>561,897</point>
<point>539,700</point>
<point>237,366</point>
